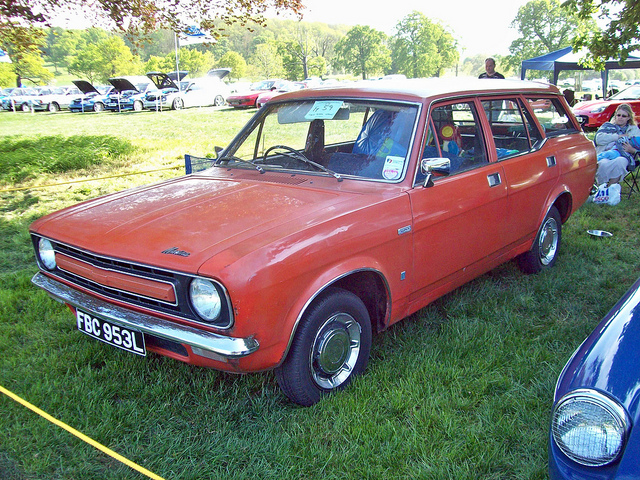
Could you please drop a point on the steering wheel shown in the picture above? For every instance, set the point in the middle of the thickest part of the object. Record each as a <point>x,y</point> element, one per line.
<point>292,153</point>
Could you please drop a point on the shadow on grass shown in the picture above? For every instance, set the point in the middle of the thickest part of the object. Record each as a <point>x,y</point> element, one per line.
<point>22,158</point>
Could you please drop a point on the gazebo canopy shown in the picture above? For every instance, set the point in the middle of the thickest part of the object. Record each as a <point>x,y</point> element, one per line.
<point>566,59</point>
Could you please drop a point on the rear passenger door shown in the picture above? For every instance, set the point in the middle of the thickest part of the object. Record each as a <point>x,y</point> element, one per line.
<point>530,169</point>
<point>458,221</point>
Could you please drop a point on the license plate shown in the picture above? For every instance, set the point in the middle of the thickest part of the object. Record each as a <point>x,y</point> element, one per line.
<point>121,337</point>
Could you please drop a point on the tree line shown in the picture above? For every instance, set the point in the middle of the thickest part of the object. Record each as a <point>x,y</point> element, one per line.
<point>292,49</point>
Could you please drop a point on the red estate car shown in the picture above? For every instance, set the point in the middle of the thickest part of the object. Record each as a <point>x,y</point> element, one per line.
<point>593,113</point>
<point>332,215</point>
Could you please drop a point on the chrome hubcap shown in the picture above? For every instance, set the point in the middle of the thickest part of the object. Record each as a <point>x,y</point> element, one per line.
<point>335,351</point>
<point>548,244</point>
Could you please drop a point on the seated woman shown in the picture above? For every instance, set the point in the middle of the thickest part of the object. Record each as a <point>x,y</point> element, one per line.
<point>614,150</point>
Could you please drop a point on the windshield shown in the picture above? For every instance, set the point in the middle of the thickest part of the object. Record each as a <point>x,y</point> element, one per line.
<point>343,138</point>
<point>631,93</point>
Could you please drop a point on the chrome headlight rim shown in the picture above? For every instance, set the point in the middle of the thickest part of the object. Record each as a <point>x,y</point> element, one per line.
<point>606,407</point>
<point>206,299</point>
<point>47,254</point>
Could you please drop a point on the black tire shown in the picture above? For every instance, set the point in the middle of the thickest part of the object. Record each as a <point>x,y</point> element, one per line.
<point>98,107</point>
<point>545,248</point>
<point>218,101</point>
<point>25,107</point>
<point>330,347</point>
<point>53,107</point>
<point>178,104</point>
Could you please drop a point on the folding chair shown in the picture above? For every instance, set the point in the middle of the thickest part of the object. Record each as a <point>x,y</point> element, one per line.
<point>632,178</point>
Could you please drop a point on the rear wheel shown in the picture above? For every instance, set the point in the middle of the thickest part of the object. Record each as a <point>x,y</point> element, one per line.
<point>545,248</point>
<point>219,101</point>
<point>53,107</point>
<point>330,347</point>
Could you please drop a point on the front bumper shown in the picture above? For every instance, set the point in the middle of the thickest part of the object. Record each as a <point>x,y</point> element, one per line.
<point>203,343</point>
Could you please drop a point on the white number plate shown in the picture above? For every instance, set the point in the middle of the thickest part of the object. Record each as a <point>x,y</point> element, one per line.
<point>124,338</point>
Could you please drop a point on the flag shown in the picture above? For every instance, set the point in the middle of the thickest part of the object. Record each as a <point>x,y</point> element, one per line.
<point>4,57</point>
<point>193,35</point>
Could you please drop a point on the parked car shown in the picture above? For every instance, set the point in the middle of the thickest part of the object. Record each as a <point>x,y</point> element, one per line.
<point>593,113</point>
<point>332,215</point>
<point>18,99</point>
<point>55,99</point>
<point>198,92</point>
<point>594,433</point>
<point>264,97</point>
<point>249,98</point>
<point>128,93</point>
<point>5,93</point>
<point>93,99</point>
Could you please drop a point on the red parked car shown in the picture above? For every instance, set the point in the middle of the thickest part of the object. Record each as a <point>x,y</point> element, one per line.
<point>249,99</point>
<point>593,113</point>
<point>333,214</point>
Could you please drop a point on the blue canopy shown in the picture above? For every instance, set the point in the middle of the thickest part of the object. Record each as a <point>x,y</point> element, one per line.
<point>566,59</point>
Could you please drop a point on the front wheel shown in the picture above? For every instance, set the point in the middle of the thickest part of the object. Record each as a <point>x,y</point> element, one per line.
<point>545,248</point>
<point>178,104</point>
<point>330,347</point>
<point>98,107</point>
<point>137,106</point>
<point>218,101</point>
<point>54,107</point>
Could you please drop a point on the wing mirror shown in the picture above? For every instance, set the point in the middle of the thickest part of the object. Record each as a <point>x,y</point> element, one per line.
<point>438,167</point>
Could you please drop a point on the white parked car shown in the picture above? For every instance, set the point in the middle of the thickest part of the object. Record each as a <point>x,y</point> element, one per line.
<point>197,92</point>
<point>55,99</point>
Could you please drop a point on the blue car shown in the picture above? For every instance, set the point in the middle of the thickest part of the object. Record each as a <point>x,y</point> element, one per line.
<point>93,99</point>
<point>596,403</point>
<point>129,93</point>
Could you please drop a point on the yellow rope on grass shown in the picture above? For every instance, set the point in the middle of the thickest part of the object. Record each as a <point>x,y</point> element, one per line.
<point>81,436</point>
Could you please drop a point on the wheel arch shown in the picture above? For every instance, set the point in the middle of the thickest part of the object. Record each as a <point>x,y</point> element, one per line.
<point>368,284</point>
<point>564,204</point>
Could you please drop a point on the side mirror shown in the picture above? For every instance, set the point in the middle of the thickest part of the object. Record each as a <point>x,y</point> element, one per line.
<point>218,151</point>
<point>439,167</point>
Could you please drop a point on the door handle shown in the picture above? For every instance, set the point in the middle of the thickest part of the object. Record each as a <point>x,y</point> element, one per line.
<point>494,179</point>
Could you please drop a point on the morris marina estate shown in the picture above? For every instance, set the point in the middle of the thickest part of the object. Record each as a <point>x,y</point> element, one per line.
<point>332,215</point>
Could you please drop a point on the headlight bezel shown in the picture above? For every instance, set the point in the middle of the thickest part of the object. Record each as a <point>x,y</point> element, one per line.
<point>595,410</point>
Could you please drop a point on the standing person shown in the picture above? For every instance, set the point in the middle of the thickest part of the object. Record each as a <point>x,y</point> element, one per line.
<point>613,147</point>
<point>490,69</point>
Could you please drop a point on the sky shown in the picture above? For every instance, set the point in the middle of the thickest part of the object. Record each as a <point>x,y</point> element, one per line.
<point>480,27</point>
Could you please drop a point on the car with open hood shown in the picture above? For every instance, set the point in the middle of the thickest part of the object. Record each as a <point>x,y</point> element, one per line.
<point>176,94</point>
<point>93,98</point>
<point>593,113</point>
<point>128,93</point>
<point>332,215</point>
<point>594,432</point>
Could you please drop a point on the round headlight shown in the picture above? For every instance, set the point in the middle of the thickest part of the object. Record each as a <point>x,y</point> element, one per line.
<point>205,299</point>
<point>589,427</point>
<point>47,254</point>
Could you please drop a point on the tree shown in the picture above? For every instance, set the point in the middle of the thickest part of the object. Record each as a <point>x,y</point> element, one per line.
<point>544,26</point>
<point>422,48</point>
<point>363,52</point>
<point>266,61</point>
<point>24,46</point>
<point>236,63</point>
<point>145,16</point>
<point>108,58</point>
<point>618,39</point>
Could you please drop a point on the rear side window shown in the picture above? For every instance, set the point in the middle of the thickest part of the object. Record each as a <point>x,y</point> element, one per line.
<point>514,131</point>
<point>552,116</point>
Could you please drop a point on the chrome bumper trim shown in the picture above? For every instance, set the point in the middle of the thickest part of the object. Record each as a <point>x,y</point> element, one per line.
<point>227,347</point>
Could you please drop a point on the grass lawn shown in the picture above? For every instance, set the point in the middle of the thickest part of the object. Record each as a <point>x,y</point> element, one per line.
<point>462,389</point>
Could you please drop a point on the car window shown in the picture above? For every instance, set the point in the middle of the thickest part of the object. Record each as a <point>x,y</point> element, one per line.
<point>552,116</point>
<point>454,133</point>
<point>512,127</point>
<point>356,138</point>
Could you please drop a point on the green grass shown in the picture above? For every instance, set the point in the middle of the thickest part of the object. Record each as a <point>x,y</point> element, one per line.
<point>462,389</point>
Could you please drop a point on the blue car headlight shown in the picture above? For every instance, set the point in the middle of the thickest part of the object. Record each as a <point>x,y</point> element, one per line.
<point>589,427</point>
